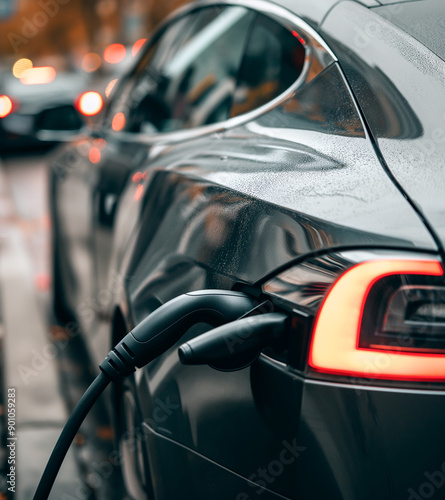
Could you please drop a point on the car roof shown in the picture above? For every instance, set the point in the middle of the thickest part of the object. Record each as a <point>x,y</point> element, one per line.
<point>424,20</point>
<point>314,11</point>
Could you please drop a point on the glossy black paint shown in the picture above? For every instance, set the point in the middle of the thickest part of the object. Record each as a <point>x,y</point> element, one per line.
<point>252,429</point>
<point>350,441</point>
<point>153,219</point>
<point>311,12</point>
<point>192,476</point>
<point>408,128</point>
<point>376,443</point>
<point>424,23</point>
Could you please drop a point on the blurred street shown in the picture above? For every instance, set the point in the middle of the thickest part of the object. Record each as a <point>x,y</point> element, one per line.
<point>37,359</point>
<point>24,285</point>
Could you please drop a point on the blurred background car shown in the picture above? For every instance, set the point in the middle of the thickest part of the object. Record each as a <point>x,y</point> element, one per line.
<point>45,104</point>
<point>60,62</point>
<point>35,100</point>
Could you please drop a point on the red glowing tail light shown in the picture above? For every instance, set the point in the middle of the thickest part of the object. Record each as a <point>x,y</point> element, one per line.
<point>335,346</point>
<point>137,46</point>
<point>5,106</point>
<point>90,103</point>
<point>378,317</point>
<point>115,53</point>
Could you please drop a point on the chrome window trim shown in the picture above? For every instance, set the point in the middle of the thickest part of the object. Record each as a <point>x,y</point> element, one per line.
<point>318,56</point>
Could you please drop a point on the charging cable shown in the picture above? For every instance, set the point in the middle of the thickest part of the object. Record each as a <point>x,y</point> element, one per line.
<point>157,333</point>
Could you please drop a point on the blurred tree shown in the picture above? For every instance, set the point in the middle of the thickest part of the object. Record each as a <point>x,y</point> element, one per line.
<point>158,11</point>
<point>49,27</point>
<point>45,27</point>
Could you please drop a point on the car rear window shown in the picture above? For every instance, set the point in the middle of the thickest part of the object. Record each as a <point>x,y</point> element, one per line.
<point>272,62</point>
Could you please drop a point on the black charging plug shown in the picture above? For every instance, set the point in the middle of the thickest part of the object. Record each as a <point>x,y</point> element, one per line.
<point>148,340</point>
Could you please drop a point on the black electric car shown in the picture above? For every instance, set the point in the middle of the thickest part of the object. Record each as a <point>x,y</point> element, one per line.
<point>293,151</point>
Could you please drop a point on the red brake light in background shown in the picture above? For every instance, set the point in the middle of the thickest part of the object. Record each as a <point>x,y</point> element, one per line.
<point>118,122</point>
<point>94,155</point>
<point>137,46</point>
<point>335,342</point>
<point>115,53</point>
<point>90,103</point>
<point>5,106</point>
<point>139,176</point>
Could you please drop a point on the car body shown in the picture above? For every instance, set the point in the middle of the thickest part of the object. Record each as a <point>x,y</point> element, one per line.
<point>312,181</point>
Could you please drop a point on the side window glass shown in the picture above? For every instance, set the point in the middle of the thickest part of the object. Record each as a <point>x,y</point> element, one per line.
<point>146,76</point>
<point>188,78</point>
<point>272,62</point>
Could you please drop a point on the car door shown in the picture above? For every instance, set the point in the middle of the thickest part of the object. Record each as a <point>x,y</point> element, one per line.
<point>167,92</point>
<point>89,176</point>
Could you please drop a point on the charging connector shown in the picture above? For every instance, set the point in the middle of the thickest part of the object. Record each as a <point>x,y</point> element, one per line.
<point>148,340</point>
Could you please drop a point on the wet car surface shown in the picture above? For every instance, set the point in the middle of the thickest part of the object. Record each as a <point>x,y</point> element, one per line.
<point>302,167</point>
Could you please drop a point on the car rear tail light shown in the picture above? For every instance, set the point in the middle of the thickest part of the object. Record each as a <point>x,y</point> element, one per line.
<point>374,315</point>
<point>5,106</point>
<point>115,53</point>
<point>90,103</point>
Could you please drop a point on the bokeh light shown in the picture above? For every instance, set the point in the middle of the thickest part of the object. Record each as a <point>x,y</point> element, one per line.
<point>90,103</point>
<point>5,106</point>
<point>21,66</point>
<point>137,46</point>
<point>38,75</point>
<point>109,88</point>
<point>118,122</point>
<point>94,155</point>
<point>91,62</point>
<point>115,53</point>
